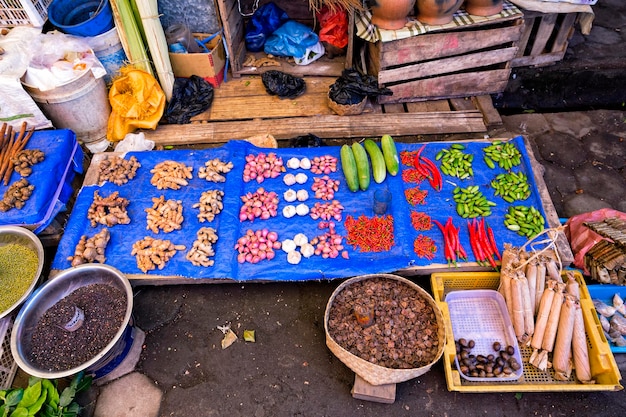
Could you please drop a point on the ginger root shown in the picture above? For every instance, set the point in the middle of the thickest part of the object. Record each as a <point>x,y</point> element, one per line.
<point>210,205</point>
<point>170,175</point>
<point>117,170</point>
<point>90,250</point>
<point>16,195</point>
<point>164,215</point>
<point>154,253</point>
<point>202,251</point>
<point>25,159</point>
<point>212,170</point>
<point>108,211</point>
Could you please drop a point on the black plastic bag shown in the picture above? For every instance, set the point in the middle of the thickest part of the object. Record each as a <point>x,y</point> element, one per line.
<point>265,20</point>
<point>282,84</point>
<point>307,141</point>
<point>190,96</point>
<point>352,87</point>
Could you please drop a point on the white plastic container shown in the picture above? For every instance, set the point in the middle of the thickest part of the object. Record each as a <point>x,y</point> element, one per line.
<point>482,316</point>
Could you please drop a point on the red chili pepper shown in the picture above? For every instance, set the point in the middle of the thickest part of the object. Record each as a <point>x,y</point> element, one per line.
<point>437,182</point>
<point>492,242</point>
<point>474,242</point>
<point>462,252</point>
<point>448,251</point>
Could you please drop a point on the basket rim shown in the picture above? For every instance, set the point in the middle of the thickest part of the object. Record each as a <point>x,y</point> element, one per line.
<point>389,375</point>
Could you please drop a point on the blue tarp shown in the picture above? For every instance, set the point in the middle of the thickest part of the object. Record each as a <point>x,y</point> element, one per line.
<point>51,177</point>
<point>139,191</point>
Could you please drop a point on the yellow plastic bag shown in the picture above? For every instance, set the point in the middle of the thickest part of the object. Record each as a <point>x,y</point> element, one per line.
<point>137,102</point>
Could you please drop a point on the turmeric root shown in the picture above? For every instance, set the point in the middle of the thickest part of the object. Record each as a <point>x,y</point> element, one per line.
<point>108,211</point>
<point>154,253</point>
<point>170,175</point>
<point>89,250</point>
<point>164,215</point>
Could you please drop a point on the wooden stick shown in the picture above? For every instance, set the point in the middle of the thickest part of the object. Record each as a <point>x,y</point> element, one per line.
<point>20,141</point>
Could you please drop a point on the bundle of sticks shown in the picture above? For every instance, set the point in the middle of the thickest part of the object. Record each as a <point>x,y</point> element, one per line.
<point>606,260</point>
<point>545,312</point>
<point>11,143</point>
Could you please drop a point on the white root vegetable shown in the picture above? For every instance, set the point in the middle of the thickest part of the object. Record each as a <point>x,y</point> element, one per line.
<point>561,358</point>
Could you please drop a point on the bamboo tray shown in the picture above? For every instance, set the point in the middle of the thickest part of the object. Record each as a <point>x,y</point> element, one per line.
<point>603,366</point>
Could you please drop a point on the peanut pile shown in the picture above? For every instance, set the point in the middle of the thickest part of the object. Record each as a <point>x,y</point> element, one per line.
<point>404,332</point>
<point>16,195</point>
<point>25,159</point>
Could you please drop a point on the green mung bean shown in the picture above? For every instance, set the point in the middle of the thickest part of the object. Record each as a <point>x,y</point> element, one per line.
<point>18,266</point>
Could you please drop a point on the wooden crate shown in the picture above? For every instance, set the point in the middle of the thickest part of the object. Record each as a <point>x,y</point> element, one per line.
<point>472,60</point>
<point>545,38</point>
<point>234,24</point>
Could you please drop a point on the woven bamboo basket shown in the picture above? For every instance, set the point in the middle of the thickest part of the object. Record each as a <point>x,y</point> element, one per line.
<point>347,109</point>
<point>376,374</point>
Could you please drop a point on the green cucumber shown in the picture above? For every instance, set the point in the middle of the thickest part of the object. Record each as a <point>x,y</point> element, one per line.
<point>390,153</point>
<point>348,165</point>
<point>362,165</point>
<point>379,168</point>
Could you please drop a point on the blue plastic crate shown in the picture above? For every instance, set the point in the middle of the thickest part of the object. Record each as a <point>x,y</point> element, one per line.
<point>605,293</point>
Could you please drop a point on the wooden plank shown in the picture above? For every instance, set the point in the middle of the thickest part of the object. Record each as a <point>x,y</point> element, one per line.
<point>441,45</point>
<point>464,103</point>
<point>431,105</point>
<point>543,33</point>
<point>490,114</point>
<point>446,86</point>
<point>538,60</point>
<point>393,108</point>
<point>564,33</point>
<point>446,65</point>
<point>529,24</point>
<point>363,390</point>
<point>326,126</point>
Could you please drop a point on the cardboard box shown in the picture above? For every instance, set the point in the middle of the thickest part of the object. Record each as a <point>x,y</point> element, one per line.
<point>209,66</point>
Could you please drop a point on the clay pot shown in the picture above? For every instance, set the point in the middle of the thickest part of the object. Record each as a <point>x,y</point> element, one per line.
<point>391,14</point>
<point>437,12</point>
<point>483,7</point>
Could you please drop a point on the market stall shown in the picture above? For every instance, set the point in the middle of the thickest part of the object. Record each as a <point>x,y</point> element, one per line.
<point>363,249</point>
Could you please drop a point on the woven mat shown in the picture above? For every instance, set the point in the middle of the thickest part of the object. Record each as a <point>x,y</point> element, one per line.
<point>371,33</point>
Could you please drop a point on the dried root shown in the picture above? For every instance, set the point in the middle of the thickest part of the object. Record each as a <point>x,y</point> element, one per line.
<point>154,253</point>
<point>108,211</point>
<point>170,174</point>
<point>212,170</point>
<point>165,215</point>
<point>210,205</point>
<point>16,195</point>
<point>267,61</point>
<point>202,251</point>
<point>90,250</point>
<point>25,159</point>
<point>117,170</point>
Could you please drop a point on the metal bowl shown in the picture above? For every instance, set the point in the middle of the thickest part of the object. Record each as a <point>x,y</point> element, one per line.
<point>48,295</point>
<point>24,237</point>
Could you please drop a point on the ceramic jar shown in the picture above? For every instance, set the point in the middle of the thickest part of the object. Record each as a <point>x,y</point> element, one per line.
<point>437,12</point>
<point>483,7</point>
<point>391,14</point>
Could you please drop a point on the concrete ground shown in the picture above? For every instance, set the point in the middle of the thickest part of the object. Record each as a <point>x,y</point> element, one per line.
<point>289,371</point>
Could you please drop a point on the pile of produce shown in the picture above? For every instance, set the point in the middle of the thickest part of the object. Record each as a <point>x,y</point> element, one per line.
<point>546,312</point>
<point>399,329</point>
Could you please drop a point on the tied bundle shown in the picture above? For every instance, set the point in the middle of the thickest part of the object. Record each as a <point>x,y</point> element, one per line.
<point>545,311</point>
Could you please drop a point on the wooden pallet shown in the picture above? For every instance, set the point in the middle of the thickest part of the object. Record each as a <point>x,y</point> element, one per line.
<point>242,108</point>
<point>545,38</point>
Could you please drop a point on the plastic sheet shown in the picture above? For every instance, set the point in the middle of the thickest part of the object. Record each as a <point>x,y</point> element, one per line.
<point>282,84</point>
<point>439,206</point>
<point>191,97</point>
<point>264,21</point>
<point>51,177</point>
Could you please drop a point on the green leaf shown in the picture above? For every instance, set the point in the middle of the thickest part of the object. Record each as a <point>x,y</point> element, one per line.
<point>19,412</point>
<point>48,411</point>
<point>67,396</point>
<point>72,410</point>
<point>84,383</point>
<point>31,395</point>
<point>518,396</point>
<point>34,409</point>
<point>4,410</point>
<point>53,394</point>
<point>14,397</point>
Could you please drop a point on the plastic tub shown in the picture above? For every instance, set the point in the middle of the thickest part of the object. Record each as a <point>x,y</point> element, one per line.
<point>108,48</point>
<point>482,316</point>
<point>80,18</point>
